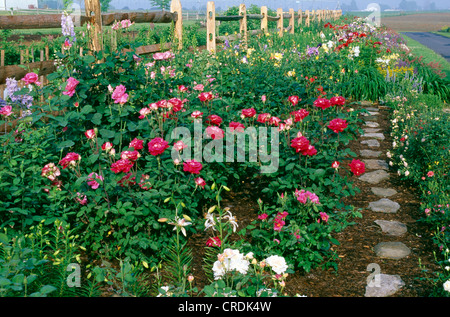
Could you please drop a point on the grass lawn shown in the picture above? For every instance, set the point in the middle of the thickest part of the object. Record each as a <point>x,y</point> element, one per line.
<point>429,55</point>
<point>447,34</point>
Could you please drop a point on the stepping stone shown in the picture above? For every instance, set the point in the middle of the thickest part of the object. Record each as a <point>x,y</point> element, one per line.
<point>371,143</point>
<point>370,153</point>
<point>371,113</point>
<point>372,124</point>
<point>392,228</point>
<point>391,250</point>
<point>385,192</point>
<point>384,285</point>
<point>384,205</point>
<point>376,164</point>
<point>365,103</point>
<point>374,135</point>
<point>370,130</point>
<point>372,109</point>
<point>374,177</point>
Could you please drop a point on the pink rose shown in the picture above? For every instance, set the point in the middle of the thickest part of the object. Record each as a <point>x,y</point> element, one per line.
<point>6,111</point>
<point>90,134</point>
<point>323,216</point>
<point>200,182</point>
<point>303,196</point>
<point>274,121</point>
<point>214,242</point>
<point>119,94</point>
<point>70,86</point>
<point>50,171</point>
<point>107,146</point>
<point>82,200</point>
<point>215,132</point>
<point>199,87</point>
<point>196,114</point>
<point>144,112</point>
<point>157,146</point>
<point>430,174</point>
<point>192,166</point>
<point>263,216</point>
<point>31,78</point>
<point>179,145</point>
<point>300,144</point>
<point>335,165</point>
<point>92,180</point>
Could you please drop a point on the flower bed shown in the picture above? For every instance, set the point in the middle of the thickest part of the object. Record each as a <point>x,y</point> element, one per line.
<point>132,156</point>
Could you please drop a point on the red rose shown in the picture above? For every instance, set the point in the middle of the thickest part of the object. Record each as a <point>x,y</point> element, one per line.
<point>322,103</point>
<point>236,126</point>
<point>337,101</point>
<point>90,134</point>
<point>338,125</point>
<point>214,119</point>
<point>136,144</point>
<point>157,146</point>
<point>214,242</point>
<point>310,151</point>
<point>263,117</point>
<point>357,167</point>
<point>300,144</point>
<point>192,166</point>
<point>122,165</point>
<point>294,100</point>
<point>130,155</point>
<point>249,113</point>
<point>205,96</point>
<point>69,160</point>
<point>300,114</point>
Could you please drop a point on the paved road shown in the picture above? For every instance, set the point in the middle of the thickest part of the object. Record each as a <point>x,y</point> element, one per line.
<point>438,43</point>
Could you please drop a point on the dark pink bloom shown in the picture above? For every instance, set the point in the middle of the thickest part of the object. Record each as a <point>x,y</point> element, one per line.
<point>157,146</point>
<point>214,119</point>
<point>215,132</point>
<point>136,144</point>
<point>248,113</point>
<point>90,134</point>
<point>122,165</point>
<point>214,242</point>
<point>294,100</point>
<point>263,117</point>
<point>70,160</point>
<point>192,166</point>
<point>200,182</point>
<point>338,125</point>
<point>31,78</point>
<point>337,101</point>
<point>236,126</point>
<point>92,180</point>
<point>300,114</point>
<point>6,111</point>
<point>130,155</point>
<point>322,103</point>
<point>357,167</point>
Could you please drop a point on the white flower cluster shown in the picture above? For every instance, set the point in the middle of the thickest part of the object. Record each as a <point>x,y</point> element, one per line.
<point>277,263</point>
<point>231,260</point>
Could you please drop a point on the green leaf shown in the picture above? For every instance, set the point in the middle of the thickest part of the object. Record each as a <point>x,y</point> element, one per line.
<point>65,144</point>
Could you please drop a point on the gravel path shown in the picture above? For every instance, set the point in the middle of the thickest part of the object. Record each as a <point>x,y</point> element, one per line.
<point>438,43</point>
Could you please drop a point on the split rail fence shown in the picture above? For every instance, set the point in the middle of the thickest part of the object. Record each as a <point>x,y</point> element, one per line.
<point>97,20</point>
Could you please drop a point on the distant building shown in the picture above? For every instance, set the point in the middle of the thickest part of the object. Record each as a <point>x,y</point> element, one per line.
<point>18,4</point>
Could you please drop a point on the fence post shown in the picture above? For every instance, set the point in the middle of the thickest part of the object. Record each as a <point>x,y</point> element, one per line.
<point>307,18</point>
<point>175,7</point>
<point>243,24</point>
<point>292,21</point>
<point>280,25</point>
<point>94,12</point>
<point>210,27</point>
<point>300,17</point>
<point>264,20</point>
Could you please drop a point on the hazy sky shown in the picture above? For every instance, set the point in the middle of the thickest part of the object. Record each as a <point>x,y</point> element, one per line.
<point>295,4</point>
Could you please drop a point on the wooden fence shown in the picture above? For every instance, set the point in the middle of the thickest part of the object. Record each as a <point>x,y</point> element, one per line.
<point>97,20</point>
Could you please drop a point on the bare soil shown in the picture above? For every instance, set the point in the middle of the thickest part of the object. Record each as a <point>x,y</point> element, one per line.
<point>421,22</point>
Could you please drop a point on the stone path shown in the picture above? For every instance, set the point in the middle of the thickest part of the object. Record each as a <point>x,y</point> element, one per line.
<point>381,284</point>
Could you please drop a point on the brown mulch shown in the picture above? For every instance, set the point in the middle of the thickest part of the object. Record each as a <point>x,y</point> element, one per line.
<point>355,251</point>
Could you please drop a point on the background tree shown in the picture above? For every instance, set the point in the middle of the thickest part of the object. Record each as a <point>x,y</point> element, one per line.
<point>104,5</point>
<point>163,4</point>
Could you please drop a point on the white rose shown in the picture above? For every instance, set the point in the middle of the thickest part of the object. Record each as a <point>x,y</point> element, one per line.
<point>277,263</point>
<point>447,286</point>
